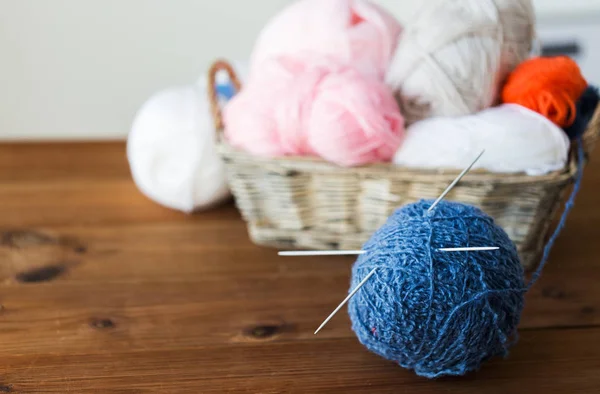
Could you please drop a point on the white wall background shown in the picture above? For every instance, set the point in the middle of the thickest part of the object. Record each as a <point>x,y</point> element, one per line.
<point>79,69</point>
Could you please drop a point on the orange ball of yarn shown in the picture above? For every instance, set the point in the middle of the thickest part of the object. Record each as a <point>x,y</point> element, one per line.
<point>550,86</point>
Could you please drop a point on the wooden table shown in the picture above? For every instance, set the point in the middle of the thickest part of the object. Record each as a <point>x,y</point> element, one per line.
<point>103,291</point>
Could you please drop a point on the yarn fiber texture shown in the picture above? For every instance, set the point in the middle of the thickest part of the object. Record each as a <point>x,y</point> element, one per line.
<point>515,140</point>
<point>356,32</point>
<point>586,108</point>
<point>454,56</point>
<point>438,313</point>
<point>549,86</point>
<point>315,106</point>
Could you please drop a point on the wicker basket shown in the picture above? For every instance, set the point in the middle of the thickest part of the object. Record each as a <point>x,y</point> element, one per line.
<point>306,203</point>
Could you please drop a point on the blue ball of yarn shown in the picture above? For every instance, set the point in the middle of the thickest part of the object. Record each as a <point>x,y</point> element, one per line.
<point>438,313</point>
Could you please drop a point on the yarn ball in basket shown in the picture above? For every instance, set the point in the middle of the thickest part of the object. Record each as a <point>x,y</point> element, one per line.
<point>356,32</point>
<point>586,108</point>
<point>549,86</point>
<point>172,153</point>
<point>317,107</point>
<point>515,140</point>
<point>455,55</point>
<point>438,313</point>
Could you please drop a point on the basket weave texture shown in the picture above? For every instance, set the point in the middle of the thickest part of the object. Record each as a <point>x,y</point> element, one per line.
<point>307,203</point>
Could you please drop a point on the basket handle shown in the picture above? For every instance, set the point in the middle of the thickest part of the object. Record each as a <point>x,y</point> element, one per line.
<point>219,65</point>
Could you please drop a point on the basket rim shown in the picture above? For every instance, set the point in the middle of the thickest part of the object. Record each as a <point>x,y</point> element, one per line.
<point>391,171</point>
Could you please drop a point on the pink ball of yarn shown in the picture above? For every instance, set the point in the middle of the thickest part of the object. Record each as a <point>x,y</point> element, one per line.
<point>315,107</point>
<point>354,121</point>
<point>249,124</point>
<point>355,32</point>
<point>255,118</point>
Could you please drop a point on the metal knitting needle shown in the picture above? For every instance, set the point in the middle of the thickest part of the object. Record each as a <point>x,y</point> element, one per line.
<point>322,253</point>
<point>474,249</point>
<point>361,284</point>
<point>461,176</point>
<point>359,252</point>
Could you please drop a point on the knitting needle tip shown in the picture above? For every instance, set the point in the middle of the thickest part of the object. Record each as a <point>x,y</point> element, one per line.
<point>361,284</point>
<point>455,182</point>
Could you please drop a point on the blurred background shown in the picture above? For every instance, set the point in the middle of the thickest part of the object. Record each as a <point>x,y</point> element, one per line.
<point>80,69</point>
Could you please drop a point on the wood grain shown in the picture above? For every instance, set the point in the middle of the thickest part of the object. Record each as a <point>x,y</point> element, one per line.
<point>540,363</point>
<point>103,291</point>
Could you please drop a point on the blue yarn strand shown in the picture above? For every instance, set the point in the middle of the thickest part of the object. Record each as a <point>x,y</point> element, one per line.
<point>563,220</point>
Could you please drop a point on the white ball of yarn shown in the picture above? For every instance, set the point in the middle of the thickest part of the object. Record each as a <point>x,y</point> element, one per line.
<point>172,152</point>
<point>455,55</point>
<point>515,140</point>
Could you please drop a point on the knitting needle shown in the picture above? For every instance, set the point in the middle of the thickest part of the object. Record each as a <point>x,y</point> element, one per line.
<point>359,252</point>
<point>323,253</point>
<point>475,249</point>
<point>458,179</point>
<point>361,284</point>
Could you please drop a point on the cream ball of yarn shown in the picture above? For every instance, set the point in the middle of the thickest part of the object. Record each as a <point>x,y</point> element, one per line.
<point>172,153</point>
<point>454,56</point>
